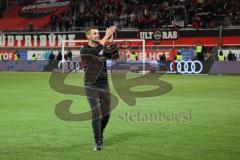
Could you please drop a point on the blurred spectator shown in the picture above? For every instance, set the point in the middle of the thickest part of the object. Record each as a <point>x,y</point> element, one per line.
<point>231,56</point>
<point>16,56</point>
<point>59,56</point>
<point>60,22</point>
<point>196,23</point>
<point>69,55</point>
<point>51,57</point>
<point>1,56</point>
<point>143,14</point>
<point>34,58</point>
<point>148,14</point>
<point>162,57</point>
<point>30,28</point>
<point>68,21</point>
<point>178,57</point>
<point>200,51</point>
<point>3,7</point>
<point>208,55</point>
<point>221,56</point>
<point>53,23</point>
<point>134,56</point>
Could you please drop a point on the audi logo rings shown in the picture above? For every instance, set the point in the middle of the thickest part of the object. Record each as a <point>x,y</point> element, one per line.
<point>69,64</point>
<point>189,67</point>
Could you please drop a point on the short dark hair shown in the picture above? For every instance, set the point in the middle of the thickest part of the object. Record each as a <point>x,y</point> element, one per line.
<point>89,29</point>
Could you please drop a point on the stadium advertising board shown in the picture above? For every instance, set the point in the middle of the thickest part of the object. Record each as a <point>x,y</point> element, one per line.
<point>187,67</point>
<point>226,67</point>
<point>151,54</point>
<point>40,54</point>
<point>184,67</point>
<point>125,55</point>
<point>8,54</point>
<point>51,40</point>
<point>36,40</point>
<point>30,66</point>
<point>159,35</point>
<point>44,54</point>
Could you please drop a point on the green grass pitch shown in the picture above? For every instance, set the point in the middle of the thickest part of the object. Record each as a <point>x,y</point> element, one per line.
<point>208,128</point>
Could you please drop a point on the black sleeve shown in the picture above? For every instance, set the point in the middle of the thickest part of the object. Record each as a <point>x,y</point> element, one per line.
<point>111,52</point>
<point>114,55</point>
<point>92,50</point>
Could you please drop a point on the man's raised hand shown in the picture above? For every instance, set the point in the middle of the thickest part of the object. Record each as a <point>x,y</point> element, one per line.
<point>110,31</point>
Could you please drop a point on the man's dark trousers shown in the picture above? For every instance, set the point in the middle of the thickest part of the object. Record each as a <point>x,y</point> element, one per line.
<point>99,98</point>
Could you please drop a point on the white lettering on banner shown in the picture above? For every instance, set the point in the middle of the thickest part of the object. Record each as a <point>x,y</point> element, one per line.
<point>175,35</point>
<point>35,42</point>
<point>28,41</point>
<point>146,35</point>
<point>5,56</point>
<point>8,55</point>
<point>2,40</point>
<point>43,41</point>
<point>151,56</point>
<point>169,35</point>
<point>164,35</point>
<point>60,38</point>
<point>157,35</point>
<point>52,40</point>
<point>19,39</point>
<point>10,41</point>
<point>23,40</point>
<point>71,37</point>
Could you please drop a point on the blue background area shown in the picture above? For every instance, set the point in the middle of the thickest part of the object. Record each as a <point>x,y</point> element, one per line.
<point>187,54</point>
<point>23,54</point>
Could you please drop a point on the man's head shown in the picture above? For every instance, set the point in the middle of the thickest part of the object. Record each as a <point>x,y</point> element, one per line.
<point>92,34</point>
<point>220,53</point>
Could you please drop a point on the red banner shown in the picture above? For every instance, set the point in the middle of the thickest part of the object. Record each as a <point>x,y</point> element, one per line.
<point>8,54</point>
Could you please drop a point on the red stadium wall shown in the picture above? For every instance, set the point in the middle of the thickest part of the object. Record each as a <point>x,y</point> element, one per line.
<point>185,41</point>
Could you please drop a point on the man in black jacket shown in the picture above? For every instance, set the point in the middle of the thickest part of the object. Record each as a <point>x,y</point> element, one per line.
<point>231,56</point>
<point>96,85</point>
